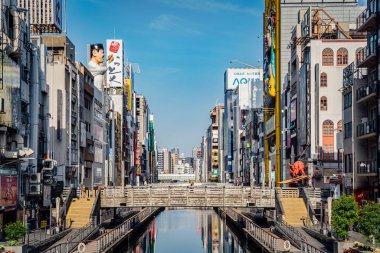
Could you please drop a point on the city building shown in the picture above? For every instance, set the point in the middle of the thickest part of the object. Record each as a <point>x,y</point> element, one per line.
<point>87,128</point>
<point>197,153</point>
<point>164,161</point>
<point>213,143</point>
<point>142,119</point>
<point>234,77</point>
<point>61,78</point>
<point>360,111</point>
<point>313,118</point>
<point>45,15</point>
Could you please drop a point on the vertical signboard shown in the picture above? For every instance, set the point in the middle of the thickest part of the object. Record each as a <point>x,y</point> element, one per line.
<point>83,133</point>
<point>128,92</point>
<point>47,195</point>
<point>302,109</point>
<point>115,63</point>
<point>57,14</point>
<point>8,191</point>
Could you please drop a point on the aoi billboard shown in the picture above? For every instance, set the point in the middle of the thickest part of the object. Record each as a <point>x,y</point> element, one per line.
<point>235,76</point>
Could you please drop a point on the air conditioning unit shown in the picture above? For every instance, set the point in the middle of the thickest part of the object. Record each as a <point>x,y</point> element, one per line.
<point>34,189</point>
<point>364,120</point>
<point>35,178</point>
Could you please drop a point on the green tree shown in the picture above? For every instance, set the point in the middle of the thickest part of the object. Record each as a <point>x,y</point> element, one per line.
<point>344,215</point>
<point>14,231</point>
<point>369,222</point>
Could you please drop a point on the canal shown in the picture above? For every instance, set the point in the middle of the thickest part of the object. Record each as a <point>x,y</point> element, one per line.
<point>186,231</point>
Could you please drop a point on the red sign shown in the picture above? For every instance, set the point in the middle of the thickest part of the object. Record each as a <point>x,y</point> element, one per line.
<point>8,191</point>
<point>114,47</point>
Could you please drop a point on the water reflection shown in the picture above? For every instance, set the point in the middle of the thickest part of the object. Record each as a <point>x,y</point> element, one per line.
<point>185,230</point>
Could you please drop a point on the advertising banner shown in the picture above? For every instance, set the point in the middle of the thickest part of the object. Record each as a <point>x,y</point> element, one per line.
<point>234,77</point>
<point>115,63</point>
<point>47,196</point>
<point>129,89</point>
<point>8,191</point>
<point>98,130</point>
<point>57,14</point>
<point>98,152</point>
<point>83,133</point>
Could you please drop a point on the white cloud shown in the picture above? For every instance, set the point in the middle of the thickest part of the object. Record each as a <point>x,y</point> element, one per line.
<point>211,5</point>
<point>166,22</point>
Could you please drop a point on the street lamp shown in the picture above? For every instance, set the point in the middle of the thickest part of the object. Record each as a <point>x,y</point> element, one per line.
<point>243,63</point>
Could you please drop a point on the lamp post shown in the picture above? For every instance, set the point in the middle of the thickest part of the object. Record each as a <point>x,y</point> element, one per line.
<point>243,63</point>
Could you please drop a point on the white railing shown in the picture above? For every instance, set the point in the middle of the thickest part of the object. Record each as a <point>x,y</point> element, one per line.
<point>108,239</point>
<point>187,196</point>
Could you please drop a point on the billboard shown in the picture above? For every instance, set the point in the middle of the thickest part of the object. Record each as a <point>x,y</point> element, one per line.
<point>83,134</point>
<point>98,130</point>
<point>128,92</point>
<point>301,110</point>
<point>57,14</point>
<point>235,76</point>
<point>115,61</point>
<point>98,150</point>
<point>8,191</point>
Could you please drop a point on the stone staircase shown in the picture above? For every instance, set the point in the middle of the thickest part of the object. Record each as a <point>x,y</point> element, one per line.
<point>79,213</point>
<point>294,211</point>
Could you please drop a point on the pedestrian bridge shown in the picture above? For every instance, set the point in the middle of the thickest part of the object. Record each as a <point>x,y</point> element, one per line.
<point>187,196</point>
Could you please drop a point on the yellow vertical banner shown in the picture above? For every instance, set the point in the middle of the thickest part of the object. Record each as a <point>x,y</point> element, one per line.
<point>128,92</point>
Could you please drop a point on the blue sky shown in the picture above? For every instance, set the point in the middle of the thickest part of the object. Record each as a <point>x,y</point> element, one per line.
<point>183,48</point>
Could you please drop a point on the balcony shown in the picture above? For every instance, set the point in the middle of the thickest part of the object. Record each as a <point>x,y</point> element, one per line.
<point>366,167</point>
<point>366,129</point>
<point>370,58</point>
<point>365,92</point>
<point>89,156</point>
<point>366,21</point>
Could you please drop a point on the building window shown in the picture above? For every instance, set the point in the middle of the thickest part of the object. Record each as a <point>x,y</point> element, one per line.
<point>359,55</point>
<point>327,57</point>
<point>342,56</point>
<point>323,103</point>
<point>348,130</point>
<point>347,100</point>
<point>328,140</point>
<point>339,125</point>
<point>323,80</point>
<point>348,163</point>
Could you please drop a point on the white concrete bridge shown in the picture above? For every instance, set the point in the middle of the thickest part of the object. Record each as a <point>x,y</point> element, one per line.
<point>173,195</point>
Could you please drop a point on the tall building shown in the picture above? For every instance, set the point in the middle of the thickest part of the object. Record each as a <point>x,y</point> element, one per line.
<point>250,137</point>
<point>61,78</point>
<point>197,153</point>
<point>164,161</point>
<point>23,113</point>
<point>233,77</point>
<point>213,143</point>
<point>361,109</point>
<point>87,129</point>
<point>142,119</point>
<point>314,119</point>
<point>341,10</point>
<point>45,15</point>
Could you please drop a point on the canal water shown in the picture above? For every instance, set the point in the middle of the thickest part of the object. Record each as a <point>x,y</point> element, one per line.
<point>187,231</point>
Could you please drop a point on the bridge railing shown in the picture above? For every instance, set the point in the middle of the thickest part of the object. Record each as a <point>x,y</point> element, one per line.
<point>74,239</point>
<point>163,195</point>
<point>270,241</point>
<point>108,239</point>
<point>288,192</point>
